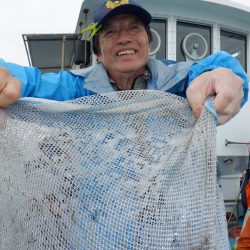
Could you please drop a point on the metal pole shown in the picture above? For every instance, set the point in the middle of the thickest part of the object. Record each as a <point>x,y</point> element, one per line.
<point>63,51</point>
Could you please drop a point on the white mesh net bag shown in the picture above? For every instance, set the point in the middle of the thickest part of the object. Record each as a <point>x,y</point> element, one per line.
<point>125,170</point>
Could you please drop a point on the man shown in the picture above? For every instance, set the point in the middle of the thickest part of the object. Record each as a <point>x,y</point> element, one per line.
<point>121,42</point>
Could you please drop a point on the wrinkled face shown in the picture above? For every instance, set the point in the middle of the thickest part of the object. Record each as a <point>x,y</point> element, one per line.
<point>124,45</point>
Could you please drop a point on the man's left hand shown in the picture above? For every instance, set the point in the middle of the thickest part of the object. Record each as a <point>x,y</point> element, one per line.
<point>224,85</point>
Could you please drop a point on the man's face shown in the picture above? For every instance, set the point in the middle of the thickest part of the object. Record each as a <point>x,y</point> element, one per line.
<point>124,45</point>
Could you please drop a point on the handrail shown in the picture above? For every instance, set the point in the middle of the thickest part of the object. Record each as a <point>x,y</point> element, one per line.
<point>233,142</point>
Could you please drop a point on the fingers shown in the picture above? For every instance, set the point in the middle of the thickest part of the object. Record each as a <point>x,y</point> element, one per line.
<point>228,89</point>
<point>224,85</point>
<point>198,92</point>
<point>10,88</point>
<point>229,94</point>
<point>231,109</point>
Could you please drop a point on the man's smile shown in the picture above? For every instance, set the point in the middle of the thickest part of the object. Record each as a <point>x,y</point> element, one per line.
<point>126,52</point>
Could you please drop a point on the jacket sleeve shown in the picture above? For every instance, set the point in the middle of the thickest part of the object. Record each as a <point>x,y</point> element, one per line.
<point>219,59</point>
<point>55,86</point>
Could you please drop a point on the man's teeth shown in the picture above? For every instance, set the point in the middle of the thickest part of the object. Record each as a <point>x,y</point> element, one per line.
<point>126,52</point>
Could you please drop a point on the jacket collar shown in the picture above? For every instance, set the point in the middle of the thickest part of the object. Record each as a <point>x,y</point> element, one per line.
<point>98,81</point>
<point>163,77</point>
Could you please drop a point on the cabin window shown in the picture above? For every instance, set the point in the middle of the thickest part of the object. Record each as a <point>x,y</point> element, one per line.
<point>159,29</point>
<point>235,44</point>
<point>193,41</point>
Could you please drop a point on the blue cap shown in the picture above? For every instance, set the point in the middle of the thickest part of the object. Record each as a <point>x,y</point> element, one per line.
<point>113,7</point>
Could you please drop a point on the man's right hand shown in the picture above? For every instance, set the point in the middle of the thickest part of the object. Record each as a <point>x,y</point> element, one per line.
<point>10,88</point>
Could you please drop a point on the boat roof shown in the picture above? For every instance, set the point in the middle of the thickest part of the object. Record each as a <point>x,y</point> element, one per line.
<point>233,14</point>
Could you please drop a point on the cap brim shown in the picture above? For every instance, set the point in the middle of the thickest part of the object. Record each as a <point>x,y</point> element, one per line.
<point>128,9</point>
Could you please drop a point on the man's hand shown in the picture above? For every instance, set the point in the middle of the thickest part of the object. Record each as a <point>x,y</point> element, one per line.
<point>10,88</point>
<point>221,83</point>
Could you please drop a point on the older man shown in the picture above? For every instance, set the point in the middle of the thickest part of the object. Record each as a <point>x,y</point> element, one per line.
<point>121,42</point>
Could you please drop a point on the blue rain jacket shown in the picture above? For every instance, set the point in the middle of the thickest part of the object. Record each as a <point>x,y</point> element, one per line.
<point>65,85</point>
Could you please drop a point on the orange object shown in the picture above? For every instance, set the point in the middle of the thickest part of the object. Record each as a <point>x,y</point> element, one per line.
<point>243,242</point>
<point>248,194</point>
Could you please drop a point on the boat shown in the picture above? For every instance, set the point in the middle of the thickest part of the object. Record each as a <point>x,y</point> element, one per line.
<point>182,31</point>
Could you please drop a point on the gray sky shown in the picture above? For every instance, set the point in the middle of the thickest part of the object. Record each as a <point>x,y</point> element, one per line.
<point>19,17</point>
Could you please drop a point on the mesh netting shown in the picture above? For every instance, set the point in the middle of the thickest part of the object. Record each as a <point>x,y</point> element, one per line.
<point>126,170</point>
